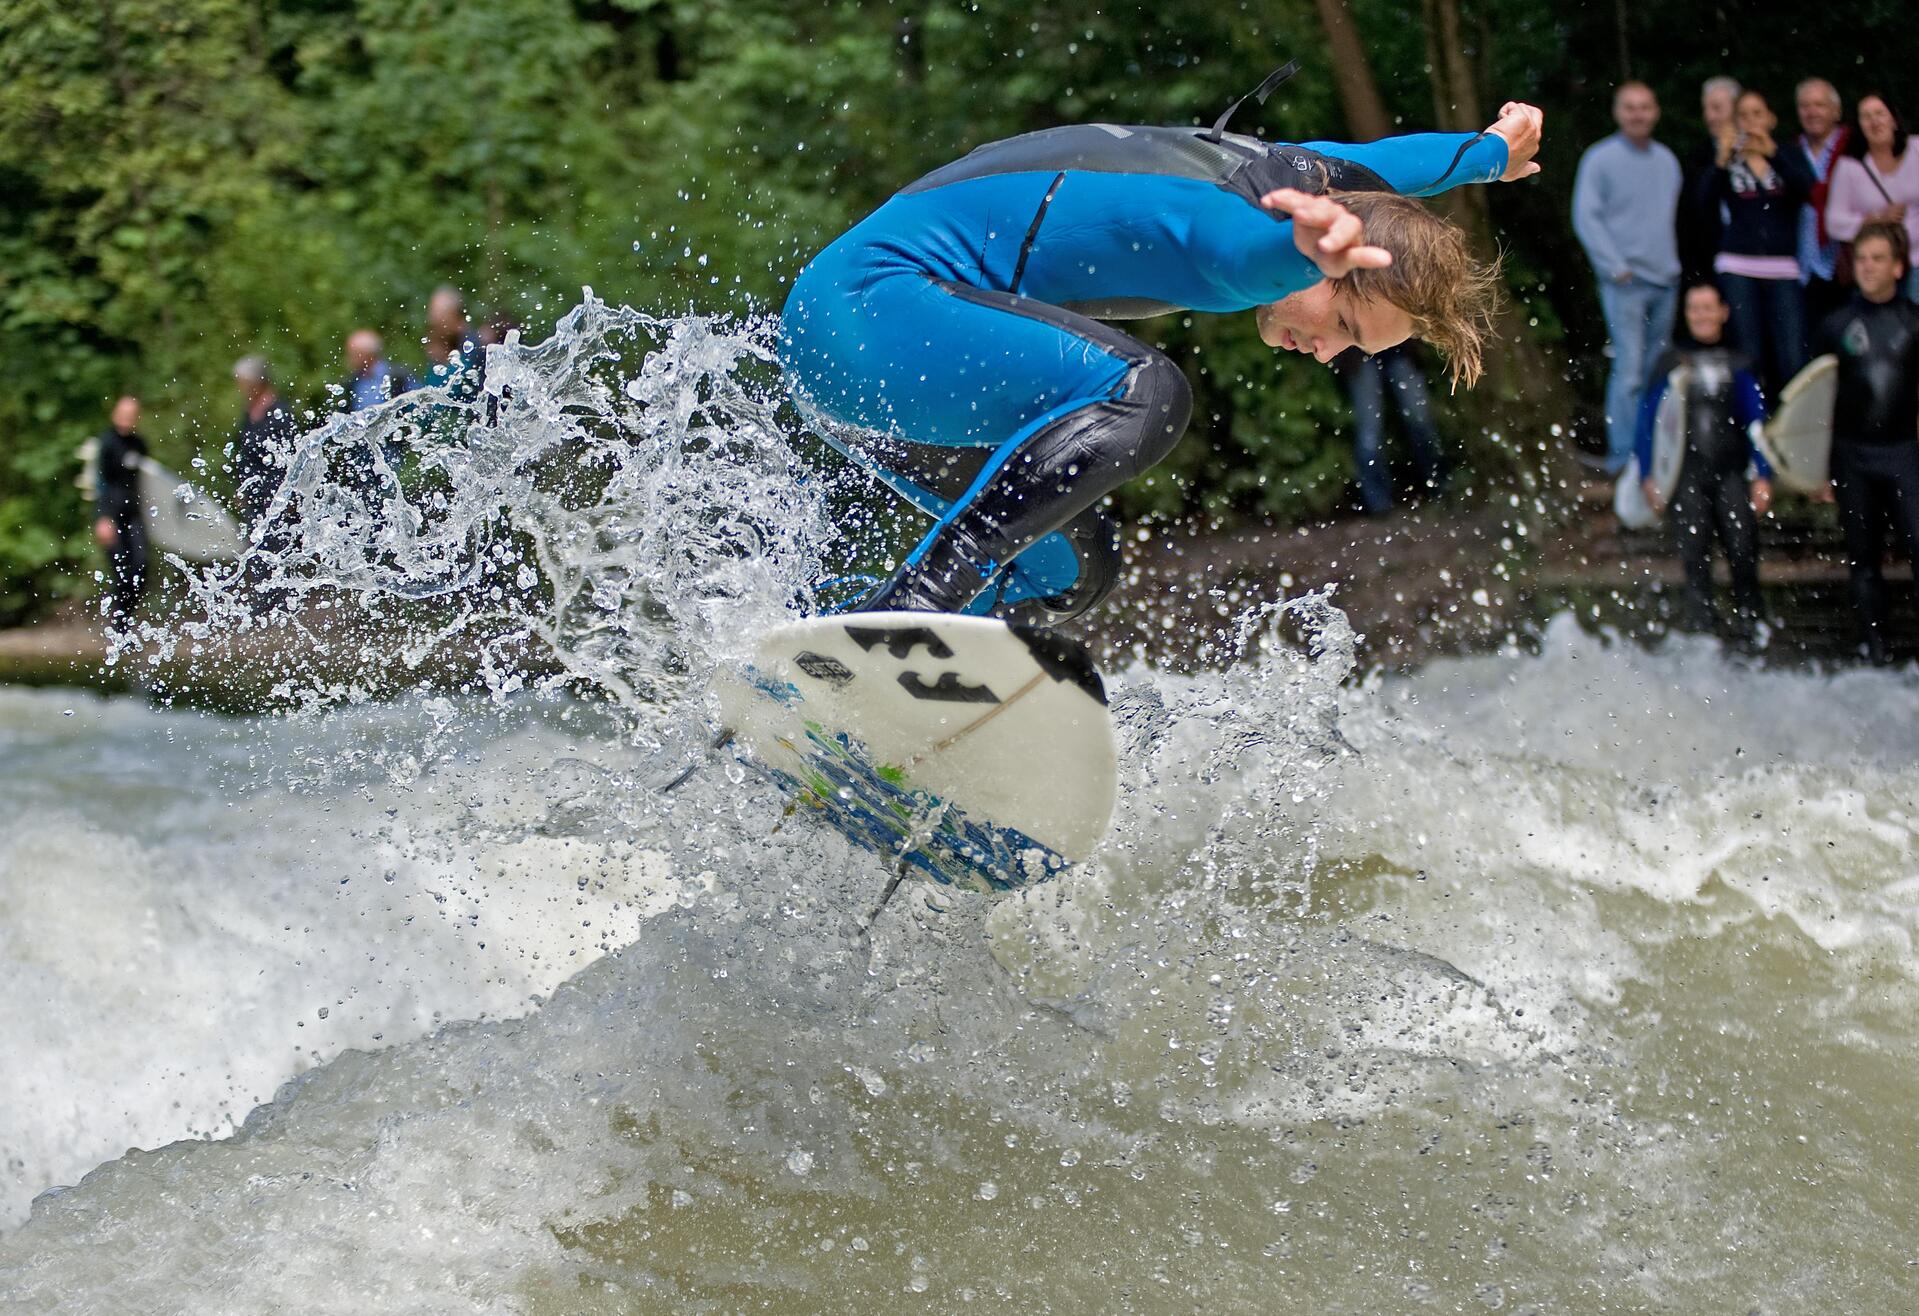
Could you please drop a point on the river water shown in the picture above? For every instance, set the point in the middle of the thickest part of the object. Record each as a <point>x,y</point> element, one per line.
<point>1573,980</point>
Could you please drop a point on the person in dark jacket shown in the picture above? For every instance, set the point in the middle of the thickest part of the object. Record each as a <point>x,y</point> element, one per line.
<point>1761,188</point>
<point>1700,221</point>
<point>260,439</point>
<point>1723,401</point>
<point>261,444</point>
<point>118,524</point>
<point>1875,418</point>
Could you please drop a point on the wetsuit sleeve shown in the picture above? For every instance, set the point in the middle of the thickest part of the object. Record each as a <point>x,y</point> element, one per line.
<point>1749,409</point>
<point>1256,261</point>
<point>1648,414</point>
<point>1425,164</point>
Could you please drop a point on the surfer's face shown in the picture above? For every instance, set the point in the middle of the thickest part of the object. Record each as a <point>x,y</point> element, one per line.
<point>1705,315</point>
<point>126,415</point>
<point>1327,318</point>
<point>1876,269</point>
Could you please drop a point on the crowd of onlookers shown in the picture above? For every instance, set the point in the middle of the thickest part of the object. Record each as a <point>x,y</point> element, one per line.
<point>454,354</point>
<point>1780,248</point>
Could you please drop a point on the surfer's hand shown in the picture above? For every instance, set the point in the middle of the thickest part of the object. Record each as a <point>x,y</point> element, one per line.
<point>1761,497</point>
<point>104,532</point>
<point>1653,500</point>
<point>1521,125</point>
<point>1327,233</point>
<point>1825,495</point>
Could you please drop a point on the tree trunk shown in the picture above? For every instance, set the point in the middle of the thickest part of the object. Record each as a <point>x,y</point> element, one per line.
<point>1366,117</point>
<point>1524,391</point>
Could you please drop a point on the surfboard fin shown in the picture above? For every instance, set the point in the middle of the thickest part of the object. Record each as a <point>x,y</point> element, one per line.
<point>720,742</point>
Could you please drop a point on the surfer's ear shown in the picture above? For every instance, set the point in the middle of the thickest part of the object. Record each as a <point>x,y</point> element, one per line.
<point>1434,278</point>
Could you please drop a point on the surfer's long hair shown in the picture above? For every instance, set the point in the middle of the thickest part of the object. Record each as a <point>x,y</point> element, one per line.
<point>1451,296</point>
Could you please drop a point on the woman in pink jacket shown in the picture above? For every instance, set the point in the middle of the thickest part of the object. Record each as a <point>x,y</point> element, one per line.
<point>1881,184</point>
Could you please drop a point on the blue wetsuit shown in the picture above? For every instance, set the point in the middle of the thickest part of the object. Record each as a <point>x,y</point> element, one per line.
<point>951,341</point>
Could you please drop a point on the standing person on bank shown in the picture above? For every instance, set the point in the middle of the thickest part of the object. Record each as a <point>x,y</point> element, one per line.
<point>1762,189</point>
<point>371,378</point>
<point>1714,498</point>
<point>1878,182</point>
<point>1701,217</point>
<point>1370,379</point>
<point>1625,203</point>
<point>1875,418</point>
<point>260,440</point>
<point>119,524</point>
<point>1822,142</point>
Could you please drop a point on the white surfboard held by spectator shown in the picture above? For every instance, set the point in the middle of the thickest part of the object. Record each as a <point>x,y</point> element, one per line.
<point>181,518</point>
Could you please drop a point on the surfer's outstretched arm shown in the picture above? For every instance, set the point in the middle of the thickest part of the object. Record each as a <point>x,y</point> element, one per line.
<point>1426,164</point>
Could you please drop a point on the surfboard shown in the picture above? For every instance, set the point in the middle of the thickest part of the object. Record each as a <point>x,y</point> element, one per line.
<point>1797,440</point>
<point>977,753</point>
<point>1668,457</point>
<point>184,520</point>
<point>180,518</point>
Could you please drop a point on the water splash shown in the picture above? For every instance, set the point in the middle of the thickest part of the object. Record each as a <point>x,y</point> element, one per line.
<point>610,516</point>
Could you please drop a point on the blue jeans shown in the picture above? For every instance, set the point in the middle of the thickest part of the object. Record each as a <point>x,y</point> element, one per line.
<point>1768,324</point>
<point>1639,319</point>
<point>1367,378</point>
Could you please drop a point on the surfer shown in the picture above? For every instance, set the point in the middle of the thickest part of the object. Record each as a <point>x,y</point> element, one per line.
<point>951,342</point>
<point>1875,463</point>
<point>1722,401</point>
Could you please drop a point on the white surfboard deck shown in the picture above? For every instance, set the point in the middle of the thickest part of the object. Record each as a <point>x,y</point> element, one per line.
<point>1797,440</point>
<point>1668,458</point>
<point>180,518</point>
<point>979,753</point>
<point>184,520</point>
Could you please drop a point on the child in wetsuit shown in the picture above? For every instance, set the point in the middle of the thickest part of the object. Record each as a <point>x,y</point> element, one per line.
<point>1875,417</point>
<point>1723,401</point>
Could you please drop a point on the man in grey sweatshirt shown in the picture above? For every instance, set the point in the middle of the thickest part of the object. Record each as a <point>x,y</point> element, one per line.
<point>1625,202</point>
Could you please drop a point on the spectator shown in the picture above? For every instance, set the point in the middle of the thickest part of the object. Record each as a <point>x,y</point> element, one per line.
<point>1880,185</point>
<point>1762,189</point>
<point>261,440</point>
<point>1822,141</point>
<point>455,358</point>
<point>371,378</point>
<point>1701,218</point>
<point>1625,201</point>
<point>1722,400</point>
<point>1875,418</point>
<point>119,525</point>
<point>1367,381</point>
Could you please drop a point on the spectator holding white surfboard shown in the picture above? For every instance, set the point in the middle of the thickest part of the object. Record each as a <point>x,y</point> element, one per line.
<point>1875,417</point>
<point>1711,393</point>
<point>1880,183</point>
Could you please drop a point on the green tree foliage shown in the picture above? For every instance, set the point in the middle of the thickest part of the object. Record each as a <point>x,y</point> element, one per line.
<point>185,181</point>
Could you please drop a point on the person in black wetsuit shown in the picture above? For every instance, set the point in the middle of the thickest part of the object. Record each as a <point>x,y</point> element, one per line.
<point>119,526</point>
<point>1875,418</point>
<point>1723,401</point>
